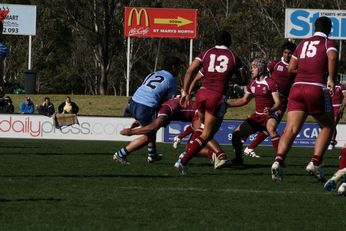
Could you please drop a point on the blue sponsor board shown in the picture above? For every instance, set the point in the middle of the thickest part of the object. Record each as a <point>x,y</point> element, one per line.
<point>299,23</point>
<point>306,137</point>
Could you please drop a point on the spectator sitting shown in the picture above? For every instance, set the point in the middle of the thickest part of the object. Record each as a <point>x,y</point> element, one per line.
<point>6,105</point>
<point>68,107</point>
<point>46,108</point>
<point>27,106</point>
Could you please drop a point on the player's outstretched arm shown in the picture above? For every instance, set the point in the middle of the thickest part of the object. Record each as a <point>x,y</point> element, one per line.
<point>150,128</point>
<point>240,102</point>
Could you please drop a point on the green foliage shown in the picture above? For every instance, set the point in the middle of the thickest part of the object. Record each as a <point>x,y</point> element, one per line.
<point>80,48</point>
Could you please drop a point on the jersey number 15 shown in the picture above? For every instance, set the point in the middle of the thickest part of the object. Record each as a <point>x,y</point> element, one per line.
<point>309,49</point>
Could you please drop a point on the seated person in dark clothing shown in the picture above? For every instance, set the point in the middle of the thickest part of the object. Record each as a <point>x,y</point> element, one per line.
<point>68,107</point>
<point>46,108</point>
<point>6,105</point>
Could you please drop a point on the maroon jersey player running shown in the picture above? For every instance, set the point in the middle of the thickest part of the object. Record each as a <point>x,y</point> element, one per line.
<point>313,61</point>
<point>278,70</point>
<point>219,63</point>
<point>339,102</point>
<point>338,180</point>
<point>267,101</point>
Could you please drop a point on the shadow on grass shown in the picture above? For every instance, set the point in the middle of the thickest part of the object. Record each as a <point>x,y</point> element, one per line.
<point>3,200</point>
<point>56,154</point>
<point>19,147</point>
<point>89,176</point>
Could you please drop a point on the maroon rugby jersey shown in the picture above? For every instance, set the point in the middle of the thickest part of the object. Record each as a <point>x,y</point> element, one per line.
<point>262,92</point>
<point>337,97</point>
<point>280,75</point>
<point>219,64</point>
<point>312,59</point>
<point>174,111</point>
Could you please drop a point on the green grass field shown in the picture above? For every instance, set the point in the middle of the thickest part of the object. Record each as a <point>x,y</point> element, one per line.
<point>75,185</point>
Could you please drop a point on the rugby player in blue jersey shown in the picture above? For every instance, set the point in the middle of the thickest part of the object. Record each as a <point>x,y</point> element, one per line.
<point>156,88</point>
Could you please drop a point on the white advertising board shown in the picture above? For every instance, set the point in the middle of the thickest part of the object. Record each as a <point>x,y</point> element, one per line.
<point>89,128</point>
<point>341,135</point>
<point>18,19</point>
<point>299,23</point>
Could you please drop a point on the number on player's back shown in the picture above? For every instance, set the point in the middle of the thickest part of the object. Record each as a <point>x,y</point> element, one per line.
<point>152,81</point>
<point>309,49</point>
<point>222,63</point>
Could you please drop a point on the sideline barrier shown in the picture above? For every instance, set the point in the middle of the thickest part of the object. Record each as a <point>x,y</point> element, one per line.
<point>305,138</point>
<point>108,128</point>
<point>42,127</point>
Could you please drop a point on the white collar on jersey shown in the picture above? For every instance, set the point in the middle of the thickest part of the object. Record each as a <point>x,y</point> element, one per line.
<point>262,81</point>
<point>221,47</point>
<point>282,60</point>
<point>319,33</point>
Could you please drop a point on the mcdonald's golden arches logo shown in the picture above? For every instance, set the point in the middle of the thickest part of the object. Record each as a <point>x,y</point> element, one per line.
<point>138,13</point>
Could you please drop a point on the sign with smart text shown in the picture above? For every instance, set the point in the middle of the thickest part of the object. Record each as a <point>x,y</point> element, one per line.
<point>160,22</point>
<point>18,19</point>
<point>299,23</point>
<point>35,126</point>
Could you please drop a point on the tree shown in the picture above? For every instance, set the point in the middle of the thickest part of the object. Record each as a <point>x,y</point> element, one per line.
<point>80,48</point>
<point>92,24</point>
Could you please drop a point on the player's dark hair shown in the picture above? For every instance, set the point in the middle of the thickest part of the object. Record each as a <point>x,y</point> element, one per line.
<point>171,61</point>
<point>289,46</point>
<point>223,38</point>
<point>323,24</point>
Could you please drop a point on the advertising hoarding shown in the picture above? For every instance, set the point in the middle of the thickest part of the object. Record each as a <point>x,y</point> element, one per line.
<point>305,138</point>
<point>299,23</point>
<point>160,23</point>
<point>18,19</point>
<point>88,128</point>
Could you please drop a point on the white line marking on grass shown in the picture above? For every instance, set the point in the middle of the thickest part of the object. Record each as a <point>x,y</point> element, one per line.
<point>219,190</point>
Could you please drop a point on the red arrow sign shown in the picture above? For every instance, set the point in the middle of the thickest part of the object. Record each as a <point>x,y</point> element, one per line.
<point>160,22</point>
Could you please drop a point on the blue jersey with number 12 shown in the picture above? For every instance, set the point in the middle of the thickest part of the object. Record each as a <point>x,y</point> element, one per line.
<point>155,89</point>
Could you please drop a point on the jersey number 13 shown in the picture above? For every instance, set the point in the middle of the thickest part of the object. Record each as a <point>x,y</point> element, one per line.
<point>222,63</point>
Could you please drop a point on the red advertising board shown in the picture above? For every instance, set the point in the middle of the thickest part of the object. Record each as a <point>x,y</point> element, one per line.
<point>160,22</point>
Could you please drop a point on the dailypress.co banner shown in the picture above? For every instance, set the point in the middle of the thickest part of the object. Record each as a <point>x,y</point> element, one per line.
<point>88,128</point>
<point>108,129</point>
<point>299,23</point>
<point>18,19</point>
<point>306,137</point>
<point>160,22</point>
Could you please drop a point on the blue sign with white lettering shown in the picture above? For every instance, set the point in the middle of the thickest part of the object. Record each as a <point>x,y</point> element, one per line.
<point>299,23</point>
<point>306,137</point>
